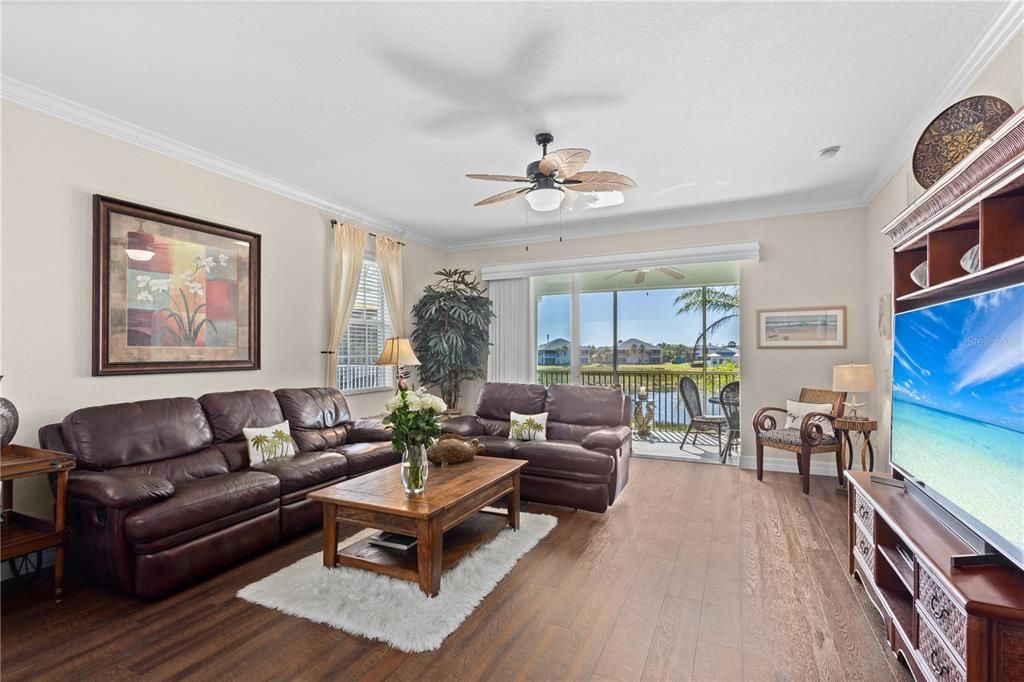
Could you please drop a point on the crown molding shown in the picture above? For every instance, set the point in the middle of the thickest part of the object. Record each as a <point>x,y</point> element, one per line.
<point>710,214</point>
<point>48,103</point>
<point>709,253</point>
<point>999,33</point>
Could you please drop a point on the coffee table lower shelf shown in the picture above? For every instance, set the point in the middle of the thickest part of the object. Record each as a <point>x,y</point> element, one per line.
<point>458,542</point>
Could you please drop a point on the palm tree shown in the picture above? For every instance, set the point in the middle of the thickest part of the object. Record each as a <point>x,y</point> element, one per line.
<point>281,439</point>
<point>722,300</point>
<point>531,426</point>
<point>260,441</point>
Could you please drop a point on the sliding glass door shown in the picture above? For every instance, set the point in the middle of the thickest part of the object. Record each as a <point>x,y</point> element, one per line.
<point>643,334</point>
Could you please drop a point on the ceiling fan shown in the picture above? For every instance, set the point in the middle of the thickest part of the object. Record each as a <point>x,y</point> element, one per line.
<point>552,175</point>
<point>641,273</point>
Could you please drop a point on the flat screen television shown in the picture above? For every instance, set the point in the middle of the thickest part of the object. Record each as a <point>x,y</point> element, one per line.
<point>958,411</point>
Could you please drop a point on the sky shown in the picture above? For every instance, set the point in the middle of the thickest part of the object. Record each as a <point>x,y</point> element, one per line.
<point>646,315</point>
<point>965,357</point>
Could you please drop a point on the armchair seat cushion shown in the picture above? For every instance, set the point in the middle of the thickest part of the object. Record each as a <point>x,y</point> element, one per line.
<point>565,459</point>
<point>496,446</point>
<point>364,457</point>
<point>305,469</point>
<point>201,501</point>
<point>791,439</point>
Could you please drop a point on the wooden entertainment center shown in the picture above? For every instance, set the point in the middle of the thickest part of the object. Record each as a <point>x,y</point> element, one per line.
<point>946,623</point>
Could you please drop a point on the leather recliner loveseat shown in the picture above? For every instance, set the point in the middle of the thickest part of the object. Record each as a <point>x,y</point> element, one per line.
<point>164,491</point>
<point>584,462</point>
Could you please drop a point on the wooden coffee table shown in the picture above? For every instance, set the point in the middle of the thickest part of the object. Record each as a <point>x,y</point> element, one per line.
<point>446,518</point>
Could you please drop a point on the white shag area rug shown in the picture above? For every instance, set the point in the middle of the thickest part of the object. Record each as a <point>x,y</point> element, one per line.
<point>389,609</point>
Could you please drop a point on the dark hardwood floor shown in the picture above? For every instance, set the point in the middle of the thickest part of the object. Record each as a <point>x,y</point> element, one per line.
<point>697,572</point>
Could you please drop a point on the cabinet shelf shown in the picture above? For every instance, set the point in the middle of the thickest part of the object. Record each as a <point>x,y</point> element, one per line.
<point>990,278</point>
<point>899,566</point>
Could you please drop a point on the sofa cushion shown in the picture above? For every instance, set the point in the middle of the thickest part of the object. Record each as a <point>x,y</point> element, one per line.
<point>496,446</point>
<point>206,462</point>
<point>201,501</point>
<point>364,457</point>
<point>586,405</point>
<point>565,460</point>
<point>109,436</point>
<point>497,401</point>
<point>305,469</point>
<point>317,440</point>
<point>313,408</point>
<point>231,411</point>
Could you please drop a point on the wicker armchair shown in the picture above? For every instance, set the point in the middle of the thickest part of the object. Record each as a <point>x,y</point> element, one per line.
<point>729,399</point>
<point>699,422</point>
<point>809,439</point>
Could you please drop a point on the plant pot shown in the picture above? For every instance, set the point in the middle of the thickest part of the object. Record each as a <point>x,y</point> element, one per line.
<point>414,469</point>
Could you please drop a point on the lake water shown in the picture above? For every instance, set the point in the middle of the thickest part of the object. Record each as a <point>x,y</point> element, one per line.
<point>977,466</point>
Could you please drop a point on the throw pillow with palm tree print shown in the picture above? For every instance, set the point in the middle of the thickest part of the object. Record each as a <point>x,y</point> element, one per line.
<point>528,426</point>
<point>270,442</point>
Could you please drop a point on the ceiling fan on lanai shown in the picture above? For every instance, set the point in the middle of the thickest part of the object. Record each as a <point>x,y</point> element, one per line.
<point>641,273</point>
<point>556,179</point>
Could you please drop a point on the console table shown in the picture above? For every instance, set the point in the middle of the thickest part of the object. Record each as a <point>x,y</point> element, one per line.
<point>961,624</point>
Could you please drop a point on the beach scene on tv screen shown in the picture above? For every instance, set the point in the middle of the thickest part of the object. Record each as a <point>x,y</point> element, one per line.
<point>958,404</point>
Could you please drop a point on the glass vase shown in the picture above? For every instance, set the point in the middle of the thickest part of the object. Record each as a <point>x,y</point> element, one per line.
<point>414,469</point>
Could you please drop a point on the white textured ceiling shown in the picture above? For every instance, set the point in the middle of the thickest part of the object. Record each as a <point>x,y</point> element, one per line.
<point>384,106</point>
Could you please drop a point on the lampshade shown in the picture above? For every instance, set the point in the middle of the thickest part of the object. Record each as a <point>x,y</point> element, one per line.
<point>397,351</point>
<point>545,198</point>
<point>139,246</point>
<point>853,378</point>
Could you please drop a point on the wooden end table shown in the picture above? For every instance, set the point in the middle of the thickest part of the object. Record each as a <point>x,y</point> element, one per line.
<point>446,518</point>
<point>843,426</point>
<point>24,534</point>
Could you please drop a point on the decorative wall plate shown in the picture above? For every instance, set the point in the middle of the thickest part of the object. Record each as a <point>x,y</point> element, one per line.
<point>955,133</point>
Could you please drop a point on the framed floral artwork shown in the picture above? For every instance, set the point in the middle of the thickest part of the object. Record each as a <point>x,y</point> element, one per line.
<point>172,293</point>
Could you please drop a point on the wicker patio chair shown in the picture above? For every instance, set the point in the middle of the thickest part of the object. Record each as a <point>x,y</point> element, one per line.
<point>729,399</point>
<point>809,439</point>
<point>699,422</point>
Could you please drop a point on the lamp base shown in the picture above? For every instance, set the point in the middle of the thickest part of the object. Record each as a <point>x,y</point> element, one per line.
<point>852,411</point>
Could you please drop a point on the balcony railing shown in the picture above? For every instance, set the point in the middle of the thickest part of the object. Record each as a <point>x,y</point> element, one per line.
<point>662,389</point>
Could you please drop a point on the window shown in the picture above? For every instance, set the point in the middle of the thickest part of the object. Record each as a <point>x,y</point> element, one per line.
<point>368,328</point>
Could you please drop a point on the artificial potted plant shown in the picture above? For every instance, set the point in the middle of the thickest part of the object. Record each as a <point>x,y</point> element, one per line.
<point>453,320</point>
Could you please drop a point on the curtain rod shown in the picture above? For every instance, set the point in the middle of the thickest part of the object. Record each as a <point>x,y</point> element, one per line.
<point>335,222</point>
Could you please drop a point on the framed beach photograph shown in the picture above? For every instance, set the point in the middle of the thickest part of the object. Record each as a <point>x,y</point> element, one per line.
<point>802,327</point>
<point>172,293</point>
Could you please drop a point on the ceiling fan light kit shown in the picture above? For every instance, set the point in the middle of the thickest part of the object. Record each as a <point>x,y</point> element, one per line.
<point>556,179</point>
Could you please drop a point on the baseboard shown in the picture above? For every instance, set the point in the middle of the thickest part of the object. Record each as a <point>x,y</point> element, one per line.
<point>49,555</point>
<point>788,465</point>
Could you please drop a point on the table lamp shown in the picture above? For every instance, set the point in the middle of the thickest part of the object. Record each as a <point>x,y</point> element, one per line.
<point>398,352</point>
<point>853,379</point>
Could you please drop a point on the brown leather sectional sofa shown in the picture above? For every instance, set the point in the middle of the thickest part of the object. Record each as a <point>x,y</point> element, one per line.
<point>584,462</point>
<point>164,492</point>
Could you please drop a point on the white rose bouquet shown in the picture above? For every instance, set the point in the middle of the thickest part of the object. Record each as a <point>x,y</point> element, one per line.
<point>413,419</point>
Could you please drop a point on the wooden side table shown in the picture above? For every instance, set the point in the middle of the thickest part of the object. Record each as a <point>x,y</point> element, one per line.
<point>24,534</point>
<point>843,426</point>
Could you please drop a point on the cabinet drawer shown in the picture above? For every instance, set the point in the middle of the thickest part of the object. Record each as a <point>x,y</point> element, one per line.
<point>937,660</point>
<point>864,548</point>
<point>948,616</point>
<point>865,514</point>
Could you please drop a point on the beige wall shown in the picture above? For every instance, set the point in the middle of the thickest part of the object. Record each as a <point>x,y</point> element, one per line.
<point>814,259</point>
<point>1004,78</point>
<point>52,169</point>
